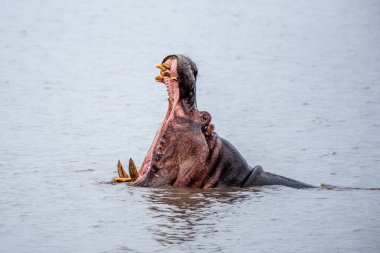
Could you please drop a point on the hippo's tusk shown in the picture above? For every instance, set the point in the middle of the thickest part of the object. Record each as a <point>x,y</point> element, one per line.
<point>121,180</point>
<point>162,67</point>
<point>132,170</point>
<point>175,78</point>
<point>123,176</point>
<point>121,171</point>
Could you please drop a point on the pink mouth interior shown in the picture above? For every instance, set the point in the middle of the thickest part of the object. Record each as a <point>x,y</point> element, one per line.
<point>173,94</point>
<point>148,158</point>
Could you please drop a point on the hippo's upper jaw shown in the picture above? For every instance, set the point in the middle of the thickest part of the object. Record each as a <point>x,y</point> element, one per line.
<point>186,151</point>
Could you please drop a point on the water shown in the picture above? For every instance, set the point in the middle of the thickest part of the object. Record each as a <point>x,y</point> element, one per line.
<point>293,85</point>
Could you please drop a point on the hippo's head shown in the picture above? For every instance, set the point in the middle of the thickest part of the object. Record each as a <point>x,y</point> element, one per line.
<point>180,154</point>
<point>182,69</point>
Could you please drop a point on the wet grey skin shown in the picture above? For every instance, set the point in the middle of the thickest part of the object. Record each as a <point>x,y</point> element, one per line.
<point>186,152</point>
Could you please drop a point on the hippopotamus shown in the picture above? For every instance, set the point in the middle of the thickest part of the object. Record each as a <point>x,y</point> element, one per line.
<point>186,151</point>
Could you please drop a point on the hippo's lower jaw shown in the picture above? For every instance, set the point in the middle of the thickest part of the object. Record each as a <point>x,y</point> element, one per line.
<point>186,151</point>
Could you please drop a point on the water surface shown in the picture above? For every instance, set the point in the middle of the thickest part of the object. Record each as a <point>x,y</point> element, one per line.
<point>293,85</point>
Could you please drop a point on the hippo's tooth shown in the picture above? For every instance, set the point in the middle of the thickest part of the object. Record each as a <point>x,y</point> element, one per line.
<point>175,78</point>
<point>162,67</point>
<point>159,79</point>
<point>121,171</point>
<point>121,179</point>
<point>132,170</point>
<point>167,66</point>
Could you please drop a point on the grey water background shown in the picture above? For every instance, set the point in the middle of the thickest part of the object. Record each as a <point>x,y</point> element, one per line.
<point>294,85</point>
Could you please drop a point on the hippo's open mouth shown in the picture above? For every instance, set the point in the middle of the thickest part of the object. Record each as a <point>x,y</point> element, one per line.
<point>183,124</point>
<point>169,77</point>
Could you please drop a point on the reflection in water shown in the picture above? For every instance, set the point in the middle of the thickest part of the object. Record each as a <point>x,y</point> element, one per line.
<point>183,214</point>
